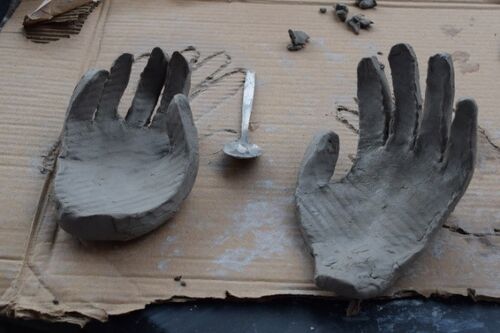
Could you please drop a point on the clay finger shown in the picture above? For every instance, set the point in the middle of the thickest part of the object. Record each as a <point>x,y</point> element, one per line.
<point>408,108</point>
<point>438,107</point>
<point>375,105</point>
<point>178,80</point>
<point>178,122</point>
<point>149,89</point>
<point>114,87</point>
<point>462,145</point>
<point>86,96</point>
<point>319,161</point>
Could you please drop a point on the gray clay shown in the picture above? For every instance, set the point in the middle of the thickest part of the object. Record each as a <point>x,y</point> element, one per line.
<point>116,178</point>
<point>412,168</point>
<point>358,22</point>
<point>293,47</point>
<point>366,4</point>
<point>364,23</point>
<point>354,25</point>
<point>299,40</point>
<point>341,10</point>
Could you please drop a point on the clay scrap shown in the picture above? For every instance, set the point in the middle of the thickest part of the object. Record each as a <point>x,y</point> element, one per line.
<point>355,22</point>
<point>118,179</point>
<point>299,40</point>
<point>341,10</point>
<point>411,170</point>
<point>366,4</point>
<point>358,22</point>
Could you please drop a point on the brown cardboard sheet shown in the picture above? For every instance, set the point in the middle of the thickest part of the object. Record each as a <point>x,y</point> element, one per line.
<point>237,233</point>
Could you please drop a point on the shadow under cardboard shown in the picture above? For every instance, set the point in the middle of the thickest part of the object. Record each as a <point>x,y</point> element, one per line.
<point>290,314</point>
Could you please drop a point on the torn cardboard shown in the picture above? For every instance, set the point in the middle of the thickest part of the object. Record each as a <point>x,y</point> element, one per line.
<point>62,25</point>
<point>49,9</point>
<point>237,232</point>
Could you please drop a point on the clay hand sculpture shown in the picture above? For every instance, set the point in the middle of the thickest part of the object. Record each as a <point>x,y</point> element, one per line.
<point>116,178</point>
<point>411,170</point>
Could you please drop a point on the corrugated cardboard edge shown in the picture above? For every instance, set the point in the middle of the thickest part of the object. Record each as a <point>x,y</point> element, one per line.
<point>81,319</point>
<point>52,8</point>
<point>61,26</point>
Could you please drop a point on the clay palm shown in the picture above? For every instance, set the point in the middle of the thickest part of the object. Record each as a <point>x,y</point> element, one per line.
<point>120,178</point>
<point>410,172</point>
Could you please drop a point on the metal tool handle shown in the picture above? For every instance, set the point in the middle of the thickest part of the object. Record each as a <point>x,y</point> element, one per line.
<point>246,108</point>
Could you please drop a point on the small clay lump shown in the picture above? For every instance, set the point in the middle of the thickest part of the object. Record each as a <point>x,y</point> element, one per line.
<point>366,4</point>
<point>358,22</point>
<point>299,40</point>
<point>341,11</point>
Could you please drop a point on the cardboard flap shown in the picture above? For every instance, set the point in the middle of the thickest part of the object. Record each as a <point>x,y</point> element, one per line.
<point>49,9</point>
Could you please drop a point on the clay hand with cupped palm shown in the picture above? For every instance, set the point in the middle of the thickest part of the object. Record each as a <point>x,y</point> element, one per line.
<point>412,168</point>
<point>116,178</point>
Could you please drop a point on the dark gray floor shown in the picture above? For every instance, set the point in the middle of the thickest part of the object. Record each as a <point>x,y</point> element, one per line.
<point>7,8</point>
<point>290,315</point>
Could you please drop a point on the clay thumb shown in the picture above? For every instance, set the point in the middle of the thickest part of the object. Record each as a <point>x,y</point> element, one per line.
<point>319,161</point>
